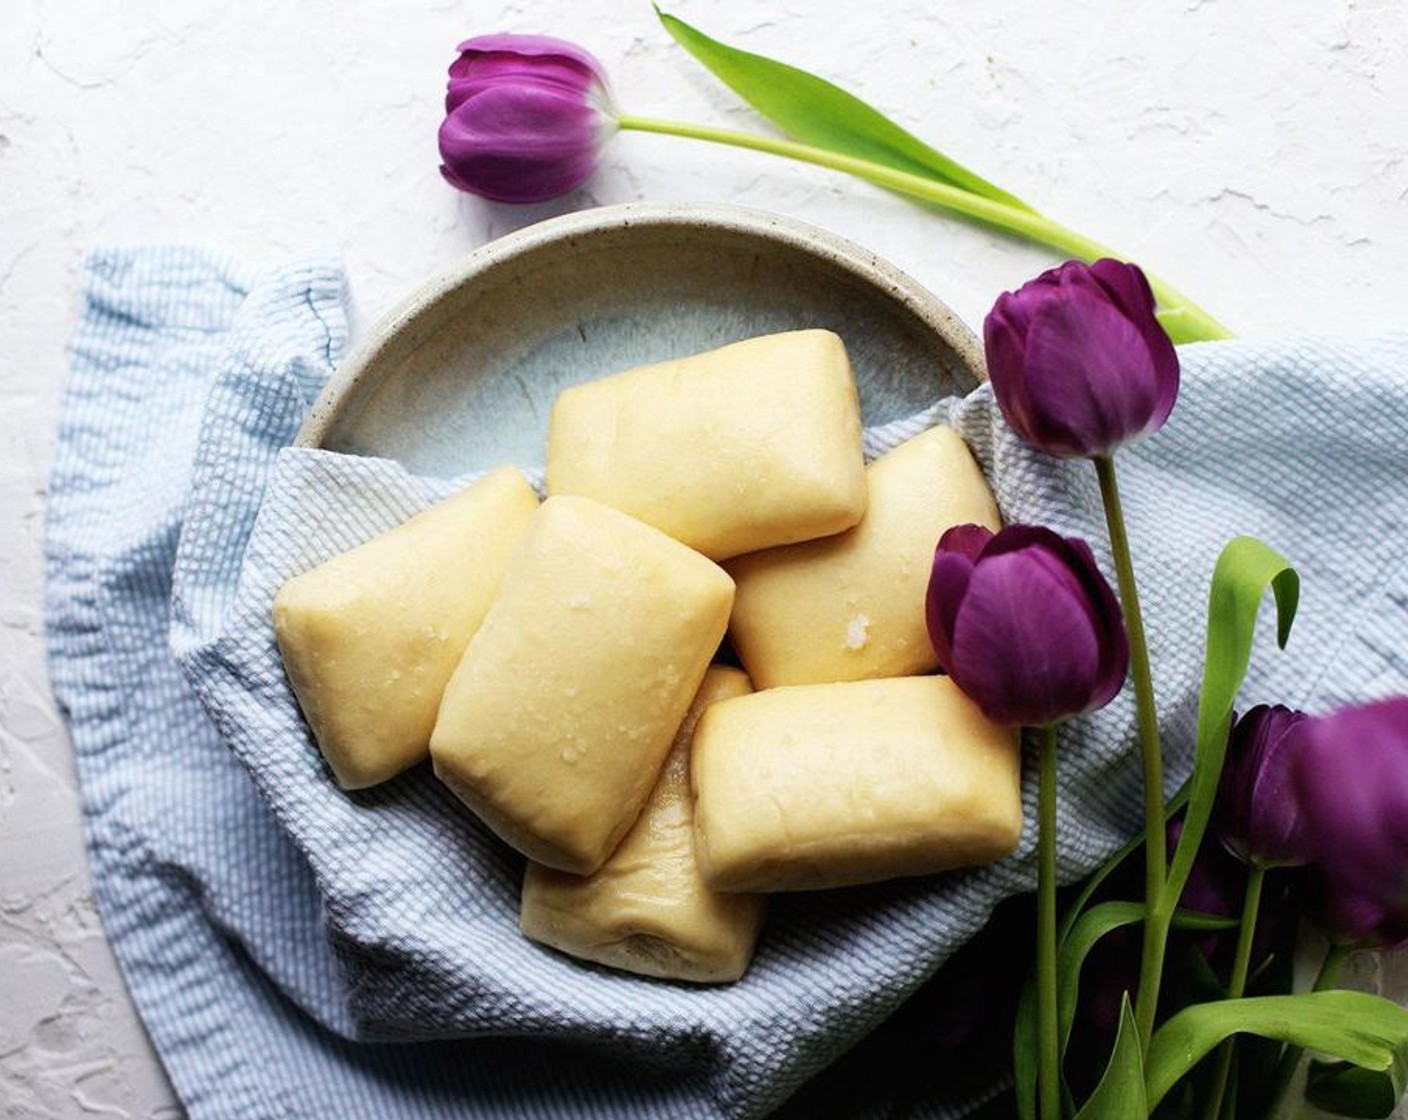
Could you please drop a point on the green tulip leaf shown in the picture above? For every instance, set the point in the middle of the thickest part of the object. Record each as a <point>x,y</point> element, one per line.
<point>1366,1031</point>
<point>1024,1052</point>
<point>1244,571</point>
<point>1120,1094</point>
<point>813,111</point>
<point>1094,924</point>
<point>1348,1090</point>
<point>1198,922</point>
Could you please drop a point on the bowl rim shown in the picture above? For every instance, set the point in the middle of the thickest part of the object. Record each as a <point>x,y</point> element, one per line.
<point>359,366</point>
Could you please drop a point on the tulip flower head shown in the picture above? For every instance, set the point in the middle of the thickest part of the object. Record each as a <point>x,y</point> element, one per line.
<point>1025,623</point>
<point>1078,362</point>
<point>1350,776</point>
<point>1258,818</point>
<point>526,118</point>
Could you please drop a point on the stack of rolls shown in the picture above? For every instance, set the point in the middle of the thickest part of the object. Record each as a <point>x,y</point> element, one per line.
<point>556,660</point>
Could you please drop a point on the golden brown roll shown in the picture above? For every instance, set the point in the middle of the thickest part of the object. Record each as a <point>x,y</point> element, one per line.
<point>745,447</point>
<point>829,785</point>
<point>851,607</point>
<point>646,909</point>
<point>369,638</point>
<point>555,725</point>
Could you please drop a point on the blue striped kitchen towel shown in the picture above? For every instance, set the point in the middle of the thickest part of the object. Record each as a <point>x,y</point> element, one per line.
<point>297,951</point>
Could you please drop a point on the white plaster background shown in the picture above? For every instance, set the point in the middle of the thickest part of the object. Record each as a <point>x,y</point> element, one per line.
<point>1252,151</point>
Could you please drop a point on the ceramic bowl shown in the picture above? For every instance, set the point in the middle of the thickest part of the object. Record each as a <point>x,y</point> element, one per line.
<point>462,375</point>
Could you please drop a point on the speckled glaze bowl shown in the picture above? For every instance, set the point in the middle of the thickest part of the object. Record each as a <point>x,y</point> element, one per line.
<point>462,375</point>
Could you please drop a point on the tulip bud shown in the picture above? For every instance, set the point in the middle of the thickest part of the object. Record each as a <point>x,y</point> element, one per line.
<point>1025,623</point>
<point>1258,819</point>
<point>526,118</point>
<point>1078,362</point>
<point>1350,775</point>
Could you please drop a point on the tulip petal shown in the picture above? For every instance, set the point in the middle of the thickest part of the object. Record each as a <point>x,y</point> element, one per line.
<point>1357,920</point>
<point>969,540</point>
<point>1114,639</point>
<point>1089,377</point>
<point>489,71</point>
<point>520,143</point>
<point>1125,284</point>
<point>1073,558</point>
<point>1351,777</point>
<point>957,551</point>
<point>1004,341</point>
<point>1004,337</point>
<point>948,582</point>
<point>544,50</point>
<point>1128,286</point>
<point>1023,647</point>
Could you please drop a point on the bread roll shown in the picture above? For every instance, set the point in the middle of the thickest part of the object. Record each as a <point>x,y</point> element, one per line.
<point>646,909</point>
<point>829,785</point>
<point>745,447</point>
<point>851,607</point>
<point>370,637</point>
<point>556,723</point>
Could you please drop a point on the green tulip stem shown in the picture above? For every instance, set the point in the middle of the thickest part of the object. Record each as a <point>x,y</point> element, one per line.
<point>1184,320</point>
<point>1286,1068</point>
<point>1049,1056</point>
<point>1236,987</point>
<point>1330,968</point>
<point>1147,720</point>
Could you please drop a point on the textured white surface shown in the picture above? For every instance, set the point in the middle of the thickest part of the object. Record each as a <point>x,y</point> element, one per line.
<point>1251,152</point>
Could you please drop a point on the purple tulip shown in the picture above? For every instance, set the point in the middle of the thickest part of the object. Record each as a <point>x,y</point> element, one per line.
<point>1025,623</point>
<point>1258,819</point>
<point>1350,776</point>
<point>1079,364</point>
<point>526,118</point>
